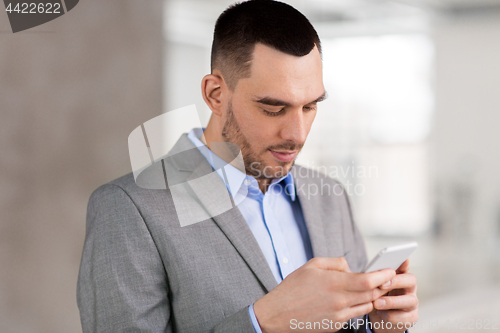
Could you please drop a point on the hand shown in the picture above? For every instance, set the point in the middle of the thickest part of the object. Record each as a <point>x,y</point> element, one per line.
<point>323,290</point>
<point>400,305</point>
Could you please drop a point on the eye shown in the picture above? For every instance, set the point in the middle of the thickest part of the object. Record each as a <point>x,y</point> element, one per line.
<point>275,113</point>
<point>309,108</point>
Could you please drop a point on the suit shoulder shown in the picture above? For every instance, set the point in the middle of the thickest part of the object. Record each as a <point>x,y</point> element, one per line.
<point>120,191</point>
<point>125,183</point>
<point>124,194</point>
<point>112,193</point>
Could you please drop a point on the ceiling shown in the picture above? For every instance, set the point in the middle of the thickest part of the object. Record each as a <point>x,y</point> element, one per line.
<point>450,4</point>
<point>192,21</point>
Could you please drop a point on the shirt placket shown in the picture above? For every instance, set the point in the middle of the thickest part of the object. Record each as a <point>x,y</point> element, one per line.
<point>282,253</point>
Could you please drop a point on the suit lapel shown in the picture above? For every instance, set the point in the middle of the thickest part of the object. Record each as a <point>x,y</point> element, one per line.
<point>213,194</point>
<point>324,227</point>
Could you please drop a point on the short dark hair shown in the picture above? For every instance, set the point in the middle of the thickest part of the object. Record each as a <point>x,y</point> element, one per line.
<point>272,23</point>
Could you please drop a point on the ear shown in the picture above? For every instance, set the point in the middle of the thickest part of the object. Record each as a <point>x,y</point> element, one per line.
<point>212,90</point>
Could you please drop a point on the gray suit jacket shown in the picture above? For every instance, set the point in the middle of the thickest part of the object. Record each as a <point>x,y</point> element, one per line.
<point>142,272</point>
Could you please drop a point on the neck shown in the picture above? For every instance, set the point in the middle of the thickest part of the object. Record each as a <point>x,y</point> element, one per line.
<point>264,184</point>
<point>213,133</point>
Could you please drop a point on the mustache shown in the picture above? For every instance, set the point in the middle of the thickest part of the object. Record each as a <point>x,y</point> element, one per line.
<point>289,145</point>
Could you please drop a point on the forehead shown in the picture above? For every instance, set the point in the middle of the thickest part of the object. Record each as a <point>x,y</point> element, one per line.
<point>298,80</point>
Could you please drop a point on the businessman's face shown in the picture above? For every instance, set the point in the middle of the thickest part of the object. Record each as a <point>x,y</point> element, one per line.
<point>269,114</point>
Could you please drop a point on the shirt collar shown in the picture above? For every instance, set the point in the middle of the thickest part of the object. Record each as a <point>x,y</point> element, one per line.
<point>235,178</point>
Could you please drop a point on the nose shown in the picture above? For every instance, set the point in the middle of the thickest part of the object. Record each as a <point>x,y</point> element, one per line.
<point>295,127</point>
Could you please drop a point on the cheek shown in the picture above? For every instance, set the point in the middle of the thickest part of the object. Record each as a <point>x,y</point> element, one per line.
<point>252,123</point>
<point>310,119</point>
<point>259,132</point>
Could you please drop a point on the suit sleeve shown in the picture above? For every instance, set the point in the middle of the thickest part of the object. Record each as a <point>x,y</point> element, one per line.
<point>238,322</point>
<point>122,284</point>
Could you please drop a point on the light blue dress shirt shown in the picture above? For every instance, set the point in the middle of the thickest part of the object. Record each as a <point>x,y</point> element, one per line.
<point>275,217</point>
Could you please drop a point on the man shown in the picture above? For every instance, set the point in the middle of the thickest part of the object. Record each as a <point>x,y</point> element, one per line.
<point>278,261</point>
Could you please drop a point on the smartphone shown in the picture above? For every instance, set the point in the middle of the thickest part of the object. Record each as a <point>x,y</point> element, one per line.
<point>391,257</point>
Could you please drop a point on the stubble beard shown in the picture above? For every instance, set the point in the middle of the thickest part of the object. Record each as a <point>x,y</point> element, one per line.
<point>254,165</point>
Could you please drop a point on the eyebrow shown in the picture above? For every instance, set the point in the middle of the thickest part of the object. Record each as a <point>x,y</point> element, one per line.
<point>277,102</point>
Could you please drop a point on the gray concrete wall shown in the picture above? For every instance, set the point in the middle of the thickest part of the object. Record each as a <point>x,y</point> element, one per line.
<point>71,91</point>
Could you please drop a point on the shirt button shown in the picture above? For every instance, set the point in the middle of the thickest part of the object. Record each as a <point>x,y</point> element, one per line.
<point>285,260</point>
<point>247,182</point>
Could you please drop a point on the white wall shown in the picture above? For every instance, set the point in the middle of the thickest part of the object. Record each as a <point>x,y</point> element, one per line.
<point>466,129</point>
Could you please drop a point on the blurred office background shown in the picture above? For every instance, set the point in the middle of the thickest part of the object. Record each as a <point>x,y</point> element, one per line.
<point>410,126</point>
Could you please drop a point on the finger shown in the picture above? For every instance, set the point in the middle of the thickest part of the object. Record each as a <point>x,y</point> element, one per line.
<point>404,268</point>
<point>368,281</point>
<point>403,302</point>
<point>401,281</point>
<point>399,316</point>
<point>361,297</point>
<point>358,310</point>
<point>336,264</point>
